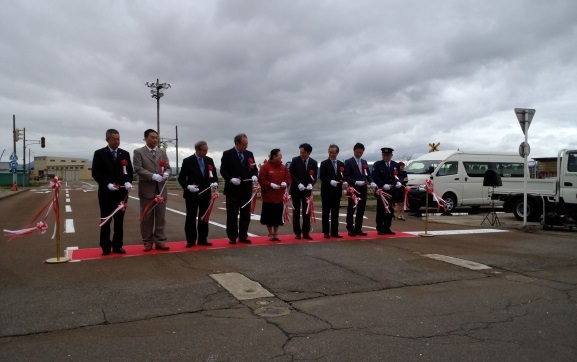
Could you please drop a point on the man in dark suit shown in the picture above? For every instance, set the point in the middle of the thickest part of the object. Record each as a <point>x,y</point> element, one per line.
<point>196,175</point>
<point>303,170</point>
<point>331,192</point>
<point>239,171</point>
<point>357,175</point>
<point>384,176</point>
<point>112,169</point>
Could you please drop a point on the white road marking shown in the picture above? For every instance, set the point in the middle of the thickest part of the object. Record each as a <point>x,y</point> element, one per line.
<point>241,287</point>
<point>458,232</point>
<point>174,194</point>
<point>460,262</point>
<point>69,226</point>
<point>67,200</point>
<point>68,208</point>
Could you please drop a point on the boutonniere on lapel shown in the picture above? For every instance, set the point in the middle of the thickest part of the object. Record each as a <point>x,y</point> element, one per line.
<point>396,173</point>
<point>342,169</point>
<point>311,173</point>
<point>162,164</point>
<point>124,164</point>
<point>251,163</point>
<point>210,171</point>
<point>365,167</point>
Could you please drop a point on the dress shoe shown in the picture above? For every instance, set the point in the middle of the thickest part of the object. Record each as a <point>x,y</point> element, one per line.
<point>204,243</point>
<point>232,241</point>
<point>352,233</point>
<point>162,247</point>
<point>307,236</point>
<point>147,247</point>
<point>336,236</point>
<point>245,241</point>
<point>119,251</point>
<point>327,236</point>
<point>381,232</point>
<point>361,233</point>
<point>298,236</point>
<point>189,245</point>
<point>105,252</point>
<point>275,239</point>
<point>390,232</point>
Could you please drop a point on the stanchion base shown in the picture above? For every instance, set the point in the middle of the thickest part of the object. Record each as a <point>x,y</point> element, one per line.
<point>57,260</point>
<point>425,234</point>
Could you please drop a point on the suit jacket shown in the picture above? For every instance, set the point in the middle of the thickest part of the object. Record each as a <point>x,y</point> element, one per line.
<point>231,167</point>
<point>145,166</point>
<point>300,175</point>
<point>386,175</point>
<point>106,170</point>
<point>191,174</point>
<point>328,173</point>
<point>353,174</point>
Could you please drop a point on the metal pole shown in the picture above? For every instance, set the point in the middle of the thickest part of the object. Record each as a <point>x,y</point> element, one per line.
<point>176,150</point>
<point>24,157</point>
<point>157,109</point>
<point>14,175</point>
<point>526,126</point>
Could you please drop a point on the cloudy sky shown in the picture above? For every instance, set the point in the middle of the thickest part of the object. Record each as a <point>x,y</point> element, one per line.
<point>396,73</point>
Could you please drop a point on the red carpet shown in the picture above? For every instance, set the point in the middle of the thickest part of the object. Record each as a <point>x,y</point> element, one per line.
<point>178,246</point>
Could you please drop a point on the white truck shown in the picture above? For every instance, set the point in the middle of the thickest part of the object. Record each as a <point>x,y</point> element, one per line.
<point>458,176</point>
<point>555,198</point>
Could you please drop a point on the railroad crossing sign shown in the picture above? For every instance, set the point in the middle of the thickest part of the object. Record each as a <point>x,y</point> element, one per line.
<point>434,147</point>
<point>524,115</point>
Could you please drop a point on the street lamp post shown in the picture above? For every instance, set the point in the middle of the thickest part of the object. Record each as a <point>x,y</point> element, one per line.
<point>156,91</point>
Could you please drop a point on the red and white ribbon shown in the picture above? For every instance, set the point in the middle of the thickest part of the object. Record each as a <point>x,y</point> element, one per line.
<point>40,227</point>
<point>286,199</point>
<point>121,206</point>
<point>438,199</point>
<point>384,196</point>
<point>206,215</point>
<point>255,190</point>
<point>151,205</point>
<point>352,193</point>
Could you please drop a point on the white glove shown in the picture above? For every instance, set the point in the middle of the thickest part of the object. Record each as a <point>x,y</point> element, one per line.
<point>214,185</point>
<point>254,179</point>
<point>345,184</point>
<point>309,187</point>
<point>127,186</point>
<point>165,176</point>
<point>156,177</point>
<point>301,187</point>
<point>283,184</point>
<point>373,185</point>
<point>192,188</point>
<point>274,186</point>
<point>386,187</point>
<point>359,183</point>
<point>398,184</point>
<point>235,181</point>
<point>112,187</point>
<point>334,183</point>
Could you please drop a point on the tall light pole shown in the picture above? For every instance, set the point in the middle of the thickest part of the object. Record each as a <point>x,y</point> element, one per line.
<point>156,91</point>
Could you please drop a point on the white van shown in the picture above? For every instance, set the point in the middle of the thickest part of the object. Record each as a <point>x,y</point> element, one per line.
<point>458,176</point>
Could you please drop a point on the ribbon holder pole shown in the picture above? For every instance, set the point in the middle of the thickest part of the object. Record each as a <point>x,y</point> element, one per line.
<point>56,209</point>
<point>426,233</point>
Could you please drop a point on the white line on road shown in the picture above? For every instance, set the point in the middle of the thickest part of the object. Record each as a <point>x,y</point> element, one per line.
<point>458,232</point>
<point>69,226</point>
<point>68,208</point>
<point>456,261</point>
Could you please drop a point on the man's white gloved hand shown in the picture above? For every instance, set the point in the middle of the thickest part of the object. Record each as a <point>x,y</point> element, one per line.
<point>309,187</point>
<point>214,185</point>
<point>301,187</point>
<point>192,188</point>
<point>386,187</point>
<point>283,184</point>
<point>373,185</point>
<point>254,179</point>
<point>274,186</point>
<point>334,183</point>
<point>165,176</point>
<point>127,186</point>
<point>112,187</point>
<point>156,177</point>
<point>398,184</point>
<point>359,183</point>
<point>235,181</point>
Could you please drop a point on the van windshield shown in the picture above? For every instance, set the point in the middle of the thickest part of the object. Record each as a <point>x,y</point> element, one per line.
<point>422,167</point>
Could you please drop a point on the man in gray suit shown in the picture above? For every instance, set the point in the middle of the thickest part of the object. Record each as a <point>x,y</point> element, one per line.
<point>151,165</point>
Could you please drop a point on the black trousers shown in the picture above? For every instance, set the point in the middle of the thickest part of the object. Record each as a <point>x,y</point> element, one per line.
<point>237,227</point>
<point>195,208</point>
<point>384,219</point>
<point>331,204</point>
<point>300,205</point>
<point>360,210</point>
<point>106,208</point>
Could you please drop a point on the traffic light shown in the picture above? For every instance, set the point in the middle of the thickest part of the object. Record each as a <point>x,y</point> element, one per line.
<point>17,134</point>
<point>42,142</point>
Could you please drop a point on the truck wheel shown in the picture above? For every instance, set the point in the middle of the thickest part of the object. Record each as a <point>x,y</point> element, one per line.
<point>451,201</point>
<point>532,212</point>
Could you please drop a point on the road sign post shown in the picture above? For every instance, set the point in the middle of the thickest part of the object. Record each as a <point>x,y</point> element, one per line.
<point>525,116</point>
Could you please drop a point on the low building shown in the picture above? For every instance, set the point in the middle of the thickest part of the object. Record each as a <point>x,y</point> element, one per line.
<point>68,168</point>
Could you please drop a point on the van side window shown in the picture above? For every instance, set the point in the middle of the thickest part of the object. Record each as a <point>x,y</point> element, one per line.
<point>476,168</point>
<point>448,168</point>
<point>572,162</point>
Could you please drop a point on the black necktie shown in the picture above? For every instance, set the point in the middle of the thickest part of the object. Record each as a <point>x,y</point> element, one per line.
<point>114,154</point>
<point>240,156</point>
